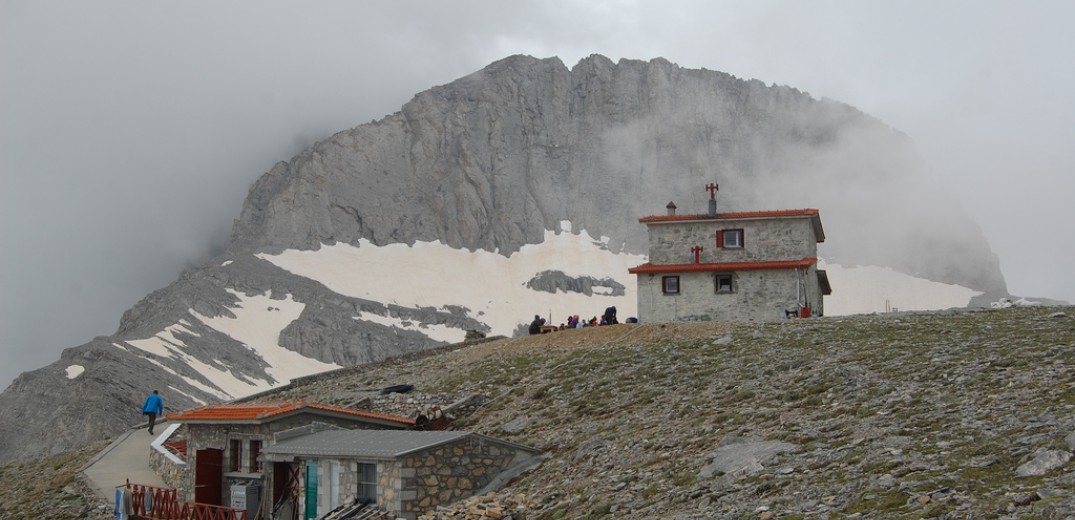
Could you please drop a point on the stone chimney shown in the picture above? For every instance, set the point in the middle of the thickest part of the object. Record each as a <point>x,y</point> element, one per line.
<point>671,208</point>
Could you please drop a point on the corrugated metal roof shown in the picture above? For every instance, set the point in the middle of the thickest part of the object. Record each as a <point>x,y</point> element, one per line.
<point>374,444</point>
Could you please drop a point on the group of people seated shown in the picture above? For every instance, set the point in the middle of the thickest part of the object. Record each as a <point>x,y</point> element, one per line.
<point>574,322</point>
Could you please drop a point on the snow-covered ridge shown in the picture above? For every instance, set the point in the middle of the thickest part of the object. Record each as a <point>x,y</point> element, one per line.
<point>257,324</point>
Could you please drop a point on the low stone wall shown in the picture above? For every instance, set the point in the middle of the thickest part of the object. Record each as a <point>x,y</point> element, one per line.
<point>173,474</point>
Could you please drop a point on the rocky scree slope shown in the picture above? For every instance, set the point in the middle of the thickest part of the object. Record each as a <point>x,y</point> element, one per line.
<point>959,414</point>
<point>51,488</point>
<point>491,161</point>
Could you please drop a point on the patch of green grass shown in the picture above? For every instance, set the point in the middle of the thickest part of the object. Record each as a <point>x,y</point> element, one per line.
<point>743,394</point>
<point>599,511</point>
<point>889,503</point>
<point>865,411</point>
<point>556,514</point>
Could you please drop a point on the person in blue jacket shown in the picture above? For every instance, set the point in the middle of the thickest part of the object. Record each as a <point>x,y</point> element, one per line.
<point>153,407</point>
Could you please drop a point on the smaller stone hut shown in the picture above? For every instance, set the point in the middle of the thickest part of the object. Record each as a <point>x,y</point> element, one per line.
<point>225,442</point>
<point>404,473</point>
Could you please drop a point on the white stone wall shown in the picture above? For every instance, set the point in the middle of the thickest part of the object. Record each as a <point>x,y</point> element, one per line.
<point>790,238</point>
<point>758,295</point>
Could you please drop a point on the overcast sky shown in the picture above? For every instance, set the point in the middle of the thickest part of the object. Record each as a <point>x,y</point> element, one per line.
<point>130,131</point>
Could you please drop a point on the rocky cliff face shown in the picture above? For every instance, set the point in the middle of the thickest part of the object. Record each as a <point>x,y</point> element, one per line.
<point>494,159</point>
<point>492,162</point>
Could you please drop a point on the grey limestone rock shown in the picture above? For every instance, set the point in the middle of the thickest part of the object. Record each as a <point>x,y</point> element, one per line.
<point>552,281</point>
<point>737,457</point>
<point>517,424</point>
<point>1042,462</point>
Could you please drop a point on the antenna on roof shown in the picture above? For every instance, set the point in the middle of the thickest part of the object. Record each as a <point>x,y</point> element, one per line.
<point>712,188</point>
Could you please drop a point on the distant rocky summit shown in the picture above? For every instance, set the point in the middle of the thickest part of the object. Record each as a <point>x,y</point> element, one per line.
<point>491,163</point>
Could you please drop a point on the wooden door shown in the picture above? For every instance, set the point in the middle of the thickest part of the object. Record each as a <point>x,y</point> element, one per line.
<point>209,476</point>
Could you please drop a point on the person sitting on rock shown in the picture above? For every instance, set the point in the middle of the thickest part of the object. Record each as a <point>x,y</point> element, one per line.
<point>610,316</point>
<point>535,326</point>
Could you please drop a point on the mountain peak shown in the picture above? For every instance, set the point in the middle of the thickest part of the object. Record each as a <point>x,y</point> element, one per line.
<point>400,235</point>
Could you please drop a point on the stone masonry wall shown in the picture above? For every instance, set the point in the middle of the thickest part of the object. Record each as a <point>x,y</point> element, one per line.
<point>204,436</point>
<point>448,473</point>
<point>763,239</point>
<point>813,292</point>
<point>389,492</point>
<point>174,475</point>
<point>760,295</point>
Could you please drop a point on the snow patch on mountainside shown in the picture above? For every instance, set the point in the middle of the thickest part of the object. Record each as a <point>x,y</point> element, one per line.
<point>74,371</point>
<point>490,285</point>
<point>213,390</point>
<point>223,384</point>
<point>868,289</point>
<point>258,321</point>
<point>256,324</point>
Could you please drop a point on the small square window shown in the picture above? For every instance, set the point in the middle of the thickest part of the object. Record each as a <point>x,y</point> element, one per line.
<point>733,238</point>
<point>670,284</point>
<point>724,283</point>
<point>367,483</point>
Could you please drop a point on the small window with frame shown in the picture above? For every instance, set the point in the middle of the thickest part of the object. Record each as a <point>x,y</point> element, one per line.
<point>670,284</point>
<point>235,447</point>
<point>367,483</point>
<point>725,283</point>
<point>255,454</point>
<point>730,239</point>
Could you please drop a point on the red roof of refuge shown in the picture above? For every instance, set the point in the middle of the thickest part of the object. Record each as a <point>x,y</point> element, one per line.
<point>262,412</point>
<point>648,268</point>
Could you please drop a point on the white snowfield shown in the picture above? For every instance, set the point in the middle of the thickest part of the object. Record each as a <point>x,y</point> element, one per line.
<point>490,286</point>
<point>869,289</point>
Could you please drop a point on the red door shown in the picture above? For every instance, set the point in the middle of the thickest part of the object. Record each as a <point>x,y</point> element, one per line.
<point>209,476</point>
